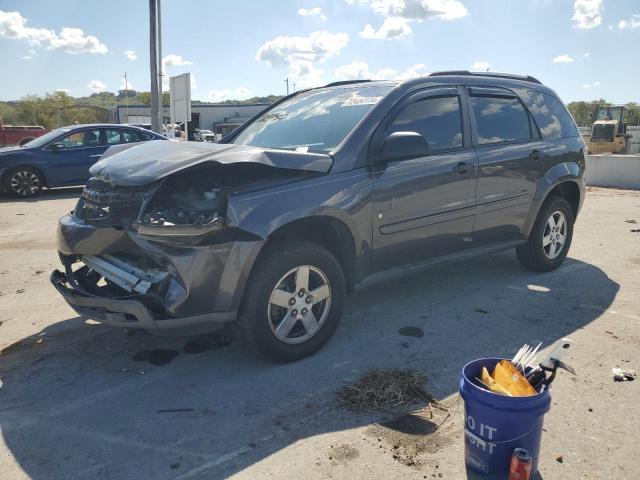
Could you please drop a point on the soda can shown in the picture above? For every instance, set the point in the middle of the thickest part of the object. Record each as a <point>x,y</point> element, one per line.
<point>520,468</point>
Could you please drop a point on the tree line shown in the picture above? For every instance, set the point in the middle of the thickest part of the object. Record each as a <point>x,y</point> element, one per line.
<point>58,108</point>
<point>581,111</point>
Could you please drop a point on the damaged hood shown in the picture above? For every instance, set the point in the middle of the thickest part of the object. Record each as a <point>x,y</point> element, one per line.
<point>147,162</point>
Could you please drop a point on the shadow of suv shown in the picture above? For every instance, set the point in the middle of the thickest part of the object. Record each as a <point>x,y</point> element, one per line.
<point>270,228</point>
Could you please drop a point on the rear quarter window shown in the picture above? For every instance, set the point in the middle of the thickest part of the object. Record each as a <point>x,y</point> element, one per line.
<point>550,114</point>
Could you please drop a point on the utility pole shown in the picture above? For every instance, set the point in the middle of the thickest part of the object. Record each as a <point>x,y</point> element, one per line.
<point>160,75</point>
<point>126,96</point>
<point>286,80</point>
<point>153,61</point>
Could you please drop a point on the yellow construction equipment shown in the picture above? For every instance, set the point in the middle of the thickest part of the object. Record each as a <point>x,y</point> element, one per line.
<point>608,131</point>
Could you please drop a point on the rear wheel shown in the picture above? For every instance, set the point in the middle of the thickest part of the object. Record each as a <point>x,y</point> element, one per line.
<point>550,238</point>
<point>24,182</point>
<point>293,302</point>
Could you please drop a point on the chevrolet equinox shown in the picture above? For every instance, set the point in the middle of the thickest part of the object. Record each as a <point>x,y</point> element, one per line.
<point>268,229</point>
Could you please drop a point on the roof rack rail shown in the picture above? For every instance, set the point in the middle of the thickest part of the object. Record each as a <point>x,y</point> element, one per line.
<point>464,73</point>
<point>344,82</point>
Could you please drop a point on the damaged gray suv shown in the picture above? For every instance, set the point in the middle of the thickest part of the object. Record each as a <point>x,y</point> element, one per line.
<point>269,229</point>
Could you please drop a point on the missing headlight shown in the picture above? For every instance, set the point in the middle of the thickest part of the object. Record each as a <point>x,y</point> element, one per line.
<point>186,205</point>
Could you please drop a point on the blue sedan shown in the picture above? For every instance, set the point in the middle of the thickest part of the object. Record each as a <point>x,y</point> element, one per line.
<point>62,157</point>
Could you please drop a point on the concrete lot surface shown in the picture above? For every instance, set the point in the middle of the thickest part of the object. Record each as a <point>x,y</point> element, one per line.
<point>75,404</point>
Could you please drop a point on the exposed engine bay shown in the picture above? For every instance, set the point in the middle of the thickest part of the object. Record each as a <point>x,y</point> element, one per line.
<point>194,198</point>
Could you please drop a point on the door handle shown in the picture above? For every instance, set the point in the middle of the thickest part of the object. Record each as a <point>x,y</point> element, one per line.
<point>461,168</point>
<point>535,155</point>
<point>95,156</point>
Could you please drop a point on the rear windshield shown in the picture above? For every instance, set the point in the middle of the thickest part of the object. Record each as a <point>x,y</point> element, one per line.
<point>314,121</point>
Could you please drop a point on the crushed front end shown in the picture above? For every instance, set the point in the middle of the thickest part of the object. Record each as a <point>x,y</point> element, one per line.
<point>159,256</point>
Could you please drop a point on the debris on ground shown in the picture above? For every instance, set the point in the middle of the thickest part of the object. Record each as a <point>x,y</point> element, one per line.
<point>411,332</point>
<point>411,437</point>
<point>343,452</point>
<point>631,221</point>
<point>206,343</point>
<point>157,356</point>
<point>559,459</point>
<point>623,374</point>
<point>382,389</point>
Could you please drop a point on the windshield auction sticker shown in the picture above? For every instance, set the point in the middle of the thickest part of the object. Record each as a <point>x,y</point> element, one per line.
<point>358,100</point>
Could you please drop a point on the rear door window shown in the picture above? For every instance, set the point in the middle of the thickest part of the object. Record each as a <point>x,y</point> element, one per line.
<point>500,119</point>
<point>438,120</point>
<point>112,136</point>
<point>130,136</point>
<point>552,117</point>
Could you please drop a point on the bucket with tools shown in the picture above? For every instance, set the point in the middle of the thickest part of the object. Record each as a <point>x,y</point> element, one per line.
<point>504,411</point>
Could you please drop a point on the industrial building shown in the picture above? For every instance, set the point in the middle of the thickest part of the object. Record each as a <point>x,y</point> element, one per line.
<point>219,118</point>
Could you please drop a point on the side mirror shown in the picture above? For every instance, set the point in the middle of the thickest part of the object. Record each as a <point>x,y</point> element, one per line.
<point>56,146</point>
<point>402,146</point>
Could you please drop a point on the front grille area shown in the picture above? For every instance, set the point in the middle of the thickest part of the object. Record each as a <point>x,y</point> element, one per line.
<point>106,205</point>
<point>603,133</point>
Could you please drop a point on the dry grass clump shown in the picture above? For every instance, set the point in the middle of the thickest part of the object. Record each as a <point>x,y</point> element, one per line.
<point>381,389</point>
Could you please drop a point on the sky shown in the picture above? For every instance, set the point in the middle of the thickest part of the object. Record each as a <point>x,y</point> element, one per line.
<point>235,49</point>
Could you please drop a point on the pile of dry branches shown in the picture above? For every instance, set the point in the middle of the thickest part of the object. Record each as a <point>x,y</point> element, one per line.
<point>381,389</point>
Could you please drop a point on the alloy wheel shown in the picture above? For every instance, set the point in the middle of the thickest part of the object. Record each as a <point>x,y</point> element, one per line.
<point>25,183</point>
<point>299,304</point>
<point>555,235</point>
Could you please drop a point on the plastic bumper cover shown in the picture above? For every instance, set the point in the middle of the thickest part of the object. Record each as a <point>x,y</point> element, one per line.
<point>131,313</point>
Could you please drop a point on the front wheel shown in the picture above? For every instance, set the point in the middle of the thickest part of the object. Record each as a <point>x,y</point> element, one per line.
<point>550,237</point>
<point>24,182</point>
<point>293,302</point>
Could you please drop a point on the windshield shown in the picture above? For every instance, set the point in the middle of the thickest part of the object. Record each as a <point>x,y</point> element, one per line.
<point>46,138</point>
<point>610,113</point>
<point>206,132</point>
<point>314,121</point>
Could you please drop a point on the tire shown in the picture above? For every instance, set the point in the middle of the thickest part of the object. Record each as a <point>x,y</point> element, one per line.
<point>262,325</point>
<point>543,251</point>
<point>24,182</point>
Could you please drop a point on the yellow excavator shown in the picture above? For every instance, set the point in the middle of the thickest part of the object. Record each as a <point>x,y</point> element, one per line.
<point>608,131</point>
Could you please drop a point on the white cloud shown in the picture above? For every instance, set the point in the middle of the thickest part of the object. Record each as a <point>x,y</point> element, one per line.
<point>414,71</point>
<point>564,58</point>
<point>353,71</point>
<point>398,14</point>
<point>130,54</point>
<point>360,70</point>
<point>587,13</point>
<point>591,85</point>
<point>300,55</point>
<point>71,40</point>
<point>239,93</point>
<point>312,12</point>
<point>392,27</point>
<point>174,60</point>
<point>480,66</point>
<point>27,57</point>
<point>96,86</point>
<point>633,22</point>
<point>63,90</point>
